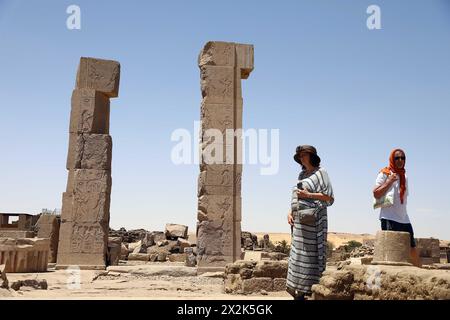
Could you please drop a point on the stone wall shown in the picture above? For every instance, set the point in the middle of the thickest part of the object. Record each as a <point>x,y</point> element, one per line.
<point>24,255</point>
<point>246,277</point>
<point>428,249</point>
<point>361,282</point>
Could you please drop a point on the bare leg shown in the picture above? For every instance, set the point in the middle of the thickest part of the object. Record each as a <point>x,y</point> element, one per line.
<point>415,257</point>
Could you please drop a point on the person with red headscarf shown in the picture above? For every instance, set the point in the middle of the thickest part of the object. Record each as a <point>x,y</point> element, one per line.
<point>392,180</point>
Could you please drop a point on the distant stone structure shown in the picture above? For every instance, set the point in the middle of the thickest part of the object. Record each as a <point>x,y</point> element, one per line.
<point>222,66</point>
<point>392,248</point>
<point>429,251</point>
<point>24,255</point>
<point>20,228</point>
<point>48,227</point>
<point>85,205</point>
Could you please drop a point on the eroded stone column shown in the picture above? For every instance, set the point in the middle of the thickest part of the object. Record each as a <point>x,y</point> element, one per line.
<point>84,227</point>
<point>392,248</point>
<point>222,66</point>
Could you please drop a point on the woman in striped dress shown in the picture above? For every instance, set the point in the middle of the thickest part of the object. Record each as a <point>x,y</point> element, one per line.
<point>308,218</point>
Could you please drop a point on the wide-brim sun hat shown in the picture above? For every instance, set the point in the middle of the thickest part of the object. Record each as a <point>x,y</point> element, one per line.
<point>304,148</point>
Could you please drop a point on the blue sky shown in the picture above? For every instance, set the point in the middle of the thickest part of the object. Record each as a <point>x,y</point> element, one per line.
<point>321,78</point>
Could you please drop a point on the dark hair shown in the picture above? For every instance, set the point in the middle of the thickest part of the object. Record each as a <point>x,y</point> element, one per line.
<point>314,160</point>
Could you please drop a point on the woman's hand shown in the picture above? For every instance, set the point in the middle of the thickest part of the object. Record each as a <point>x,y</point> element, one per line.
<point>303,194</point>
<point>290,218</point>
<point>392,178</point>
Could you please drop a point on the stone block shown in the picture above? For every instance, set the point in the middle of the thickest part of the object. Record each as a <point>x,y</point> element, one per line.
<point>217,84</point>
<point>89,151</point>
<point>90,112</point>
<point>182,244</point>
<point>24,254</point>
<point>177,257</point>
<point>245,59</point>
<point>279,284</point>
<point>253,255</point>
<point>428,248</point>
<point>217,116</point>
<point>162,257</point>
<point>271,269</point>
<point>255,285</point>
<point>100,75</point>
<point>217,53</point>
<point>15,234</point>
<point>158,236</point>
<point>114,250</point>
<point>139,256</point>
<point>84,245</point>
<point>175,231</point>
<point>48,227</point>
<point>392,248</point>
<point>233,283</point>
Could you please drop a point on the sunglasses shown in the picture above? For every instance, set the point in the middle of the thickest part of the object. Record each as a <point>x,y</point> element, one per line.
<point>400,158</point>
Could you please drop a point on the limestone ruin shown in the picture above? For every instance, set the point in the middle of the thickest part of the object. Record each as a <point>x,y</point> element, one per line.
<point>20,228</point>
<point>82,237</point>
<point>85,205</point>
<point>392,248</point>
<point>48,227</point>
<point>24,254</point>
<point>222,66</point>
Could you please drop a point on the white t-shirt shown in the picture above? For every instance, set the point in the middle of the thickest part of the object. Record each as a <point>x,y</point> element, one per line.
<point>396,212</point>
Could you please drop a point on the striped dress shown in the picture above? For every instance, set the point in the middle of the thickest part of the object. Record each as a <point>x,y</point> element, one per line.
<point>307,258</point>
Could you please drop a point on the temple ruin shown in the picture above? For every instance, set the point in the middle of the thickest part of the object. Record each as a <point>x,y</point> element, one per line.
<point>222,67</point>
<point>84,227</point>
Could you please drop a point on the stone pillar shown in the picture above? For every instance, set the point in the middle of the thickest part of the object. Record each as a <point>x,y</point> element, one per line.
<point>24,255</point>
<point>84,227</point>
<point>392,248</point>
<point>222,66</point>
<point>48,227</point>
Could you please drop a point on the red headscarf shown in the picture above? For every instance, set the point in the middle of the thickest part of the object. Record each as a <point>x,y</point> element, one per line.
<point>400,172</point>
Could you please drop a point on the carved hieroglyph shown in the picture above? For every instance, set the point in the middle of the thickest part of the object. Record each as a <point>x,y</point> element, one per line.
<point>84,227</point>
<point>222,66</point>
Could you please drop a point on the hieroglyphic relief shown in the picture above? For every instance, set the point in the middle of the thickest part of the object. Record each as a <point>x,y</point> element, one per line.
<point>87,239</point>
<point>219,182</point>
<point>98,74</point>
<point>85,211</point>
<point>90,112</point>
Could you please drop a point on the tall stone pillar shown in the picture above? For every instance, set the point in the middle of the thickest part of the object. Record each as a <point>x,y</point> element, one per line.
<point>83,239</point>
<point>222,66</point>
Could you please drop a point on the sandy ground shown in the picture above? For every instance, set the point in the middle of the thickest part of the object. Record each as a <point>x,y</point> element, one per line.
<point>133,282</point>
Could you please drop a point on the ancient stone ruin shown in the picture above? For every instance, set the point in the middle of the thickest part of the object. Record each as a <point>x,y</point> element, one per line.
<point>222,66</point>
<point>24,254</point>
<point>429,251</point>
<point>385,282</point>
<point>20,228</point>
<point>392,248</point>
<point>171,245</point>
<point>48,227</point>
<point>247,277</point>
<point>85,205</point>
